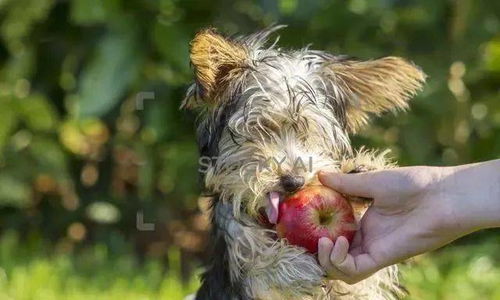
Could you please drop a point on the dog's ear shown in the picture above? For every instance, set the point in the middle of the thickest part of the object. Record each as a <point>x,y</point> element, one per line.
<point>216,60</point>
<point>375,86</point>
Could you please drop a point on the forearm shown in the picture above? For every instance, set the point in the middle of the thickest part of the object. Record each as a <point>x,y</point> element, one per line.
<point>473,193</point>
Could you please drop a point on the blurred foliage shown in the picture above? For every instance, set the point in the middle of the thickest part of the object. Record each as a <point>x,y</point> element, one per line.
<point>456,272</point>
<point>81,154</point>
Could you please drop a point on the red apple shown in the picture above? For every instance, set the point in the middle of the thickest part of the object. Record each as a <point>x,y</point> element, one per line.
<point>312,213</point>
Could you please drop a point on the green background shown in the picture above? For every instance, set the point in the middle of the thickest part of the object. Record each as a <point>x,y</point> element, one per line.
<point>79,158</point>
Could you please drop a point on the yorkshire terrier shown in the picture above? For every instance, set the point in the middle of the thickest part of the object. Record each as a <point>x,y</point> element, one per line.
<point>269,120</point>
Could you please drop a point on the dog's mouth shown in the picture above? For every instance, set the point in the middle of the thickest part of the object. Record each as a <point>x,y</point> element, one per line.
<point>272,210</point>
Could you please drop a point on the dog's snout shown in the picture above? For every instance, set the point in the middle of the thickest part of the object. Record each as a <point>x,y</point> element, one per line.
<point>291,183</point>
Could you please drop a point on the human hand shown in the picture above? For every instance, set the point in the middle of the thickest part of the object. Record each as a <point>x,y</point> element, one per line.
<point>414,210</point>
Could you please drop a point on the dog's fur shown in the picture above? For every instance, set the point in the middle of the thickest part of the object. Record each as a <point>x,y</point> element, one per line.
<point>292,110</point>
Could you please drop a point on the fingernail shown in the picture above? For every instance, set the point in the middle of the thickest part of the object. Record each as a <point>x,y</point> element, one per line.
<point>323,242</point>
<point>324,173</point>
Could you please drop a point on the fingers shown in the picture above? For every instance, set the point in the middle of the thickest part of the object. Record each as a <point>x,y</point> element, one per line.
<point>339,264</point>
<point>339,252</point>
<point>363,184</point>
<point>356,268</point>
<point>329,255</point>
<point>325,246</point>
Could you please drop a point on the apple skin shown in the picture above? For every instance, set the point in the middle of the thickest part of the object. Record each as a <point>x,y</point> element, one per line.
<point>315,212</point>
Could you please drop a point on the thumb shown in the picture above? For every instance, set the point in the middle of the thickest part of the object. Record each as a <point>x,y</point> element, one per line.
<point>362,184</point>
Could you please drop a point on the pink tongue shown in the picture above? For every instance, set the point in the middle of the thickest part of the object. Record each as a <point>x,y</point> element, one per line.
<point>272,207</point>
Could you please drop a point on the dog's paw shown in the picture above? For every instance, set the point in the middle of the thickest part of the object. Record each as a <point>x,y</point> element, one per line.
<point>364,161</point>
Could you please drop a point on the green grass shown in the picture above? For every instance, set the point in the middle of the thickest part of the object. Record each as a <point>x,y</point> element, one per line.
<point>26,272</point>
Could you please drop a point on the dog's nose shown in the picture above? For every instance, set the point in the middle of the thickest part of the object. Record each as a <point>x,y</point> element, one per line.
<point>291,183</point>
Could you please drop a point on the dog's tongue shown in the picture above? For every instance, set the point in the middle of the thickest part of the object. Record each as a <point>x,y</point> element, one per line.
<point>273,199</point>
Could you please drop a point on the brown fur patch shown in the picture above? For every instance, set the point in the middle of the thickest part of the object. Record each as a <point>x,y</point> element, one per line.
<point>376,86</point>
<point>216,60</point>
<point>367,160</point>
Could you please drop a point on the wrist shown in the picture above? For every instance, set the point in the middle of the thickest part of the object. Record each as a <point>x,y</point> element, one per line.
<point>473,194</point>
<point>451,204</point>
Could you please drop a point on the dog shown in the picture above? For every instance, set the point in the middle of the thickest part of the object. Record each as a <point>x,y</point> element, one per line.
<point>269,120</point>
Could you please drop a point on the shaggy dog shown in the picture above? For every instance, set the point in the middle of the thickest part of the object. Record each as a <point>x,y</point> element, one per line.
<point>269,120</point>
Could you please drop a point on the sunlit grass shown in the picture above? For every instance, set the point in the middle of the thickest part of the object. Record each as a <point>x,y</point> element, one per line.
<point>459,272</point>
<point>93,274</point>
<point>55,279</point>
